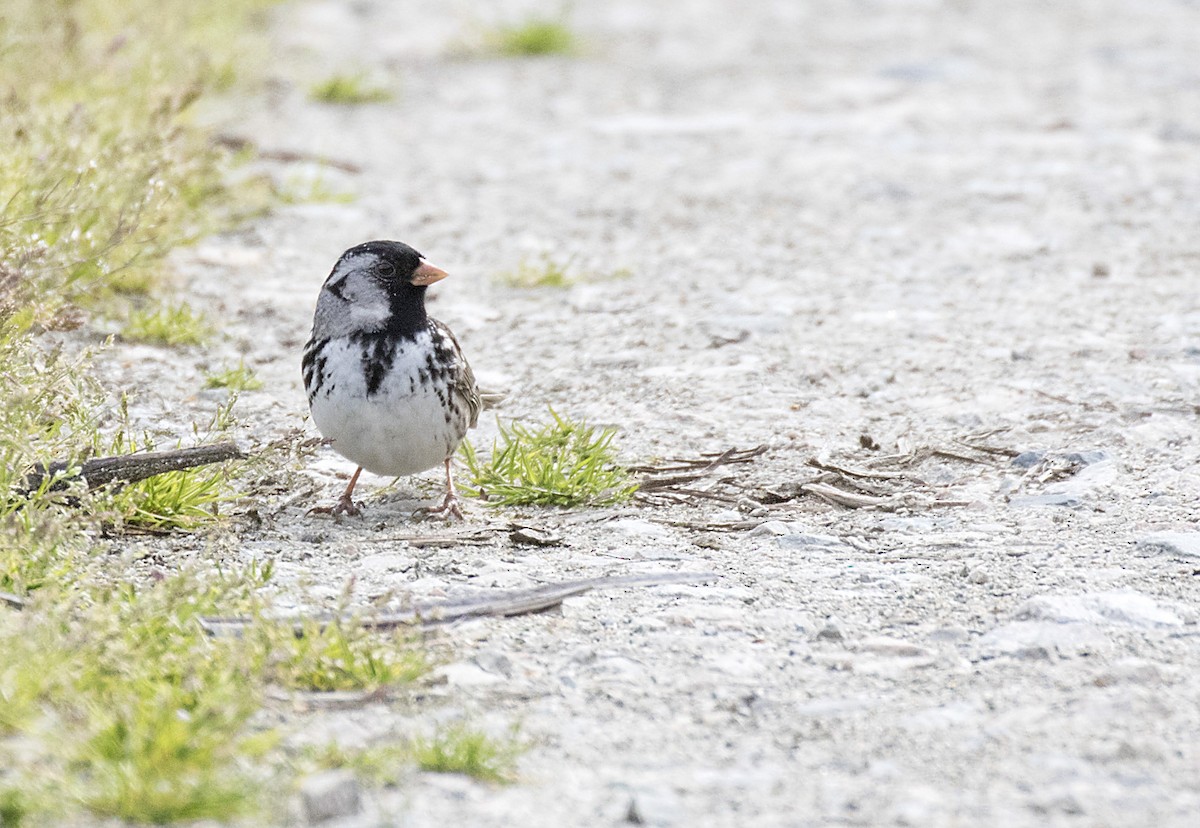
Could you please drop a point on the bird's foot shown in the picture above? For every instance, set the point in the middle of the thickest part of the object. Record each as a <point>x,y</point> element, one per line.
<point>448,509</point>
<point>344,506</point>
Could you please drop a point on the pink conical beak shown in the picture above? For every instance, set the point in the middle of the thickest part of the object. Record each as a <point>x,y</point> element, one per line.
<point>427,274</point>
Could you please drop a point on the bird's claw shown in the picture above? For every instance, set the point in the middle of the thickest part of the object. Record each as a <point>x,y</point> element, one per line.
<point>448,509</point>
<point>344,506</point>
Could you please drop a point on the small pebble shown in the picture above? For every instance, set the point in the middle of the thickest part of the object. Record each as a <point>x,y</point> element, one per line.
<point>530,536</point>
<point>1127,608</point>
<point>495,662</point>
<point>1183,544</point>
<point>892,648</point>
<point>1088,458</point>
<point>770,527</point>
<point>831,631</point>
<point>1130,671</point>
<point>1028,459</point>
<point>1066,499</point>
<point>330,795</point>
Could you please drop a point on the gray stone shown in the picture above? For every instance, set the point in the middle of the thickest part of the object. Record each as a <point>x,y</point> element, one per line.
<point>638,528</point>
<point>916,72</point>
<point>495,662</point>
<point>1125,608</point>
<point>952,634</point>
<point>831,631</point>
<point>1069,500</point>
<point>800,540</point>
<point>1090,478</point>
<point>1184,544</point>
<point>1028,459</point>
<point>1088,458</point>
<point>773,528</point>
<point>466,674</point>
<point>532,536</point>
<point>1041,640</point>
<point>330,795</point>
<point>384,563</point>
<point>891,648</point>
<point>1131,671</point>
<point>652,806</point>
<point>908,524</point>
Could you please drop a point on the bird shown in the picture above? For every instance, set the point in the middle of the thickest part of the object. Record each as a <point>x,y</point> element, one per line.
<point>388,386</point>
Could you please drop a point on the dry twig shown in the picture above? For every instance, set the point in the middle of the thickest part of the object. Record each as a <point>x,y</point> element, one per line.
<point>236,143</point>
<point>890,503</point>
<point>129,468</point>
<point>672,478</point>
<point>853,471</point>
<point>504,604</point>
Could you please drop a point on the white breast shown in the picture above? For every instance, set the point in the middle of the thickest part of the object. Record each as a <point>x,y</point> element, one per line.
<point>404,427</point>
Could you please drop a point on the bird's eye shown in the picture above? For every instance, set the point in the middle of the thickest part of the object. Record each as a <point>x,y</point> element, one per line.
<point>385,269</point>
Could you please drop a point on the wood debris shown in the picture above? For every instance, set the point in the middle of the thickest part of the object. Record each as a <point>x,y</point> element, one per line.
<point>128,468</point>
<point>891,503</point>
<point>888,482</point>
<point>502,604</point>
<point>237,143</point>
<point>691,479</point>
<point>519,533</point>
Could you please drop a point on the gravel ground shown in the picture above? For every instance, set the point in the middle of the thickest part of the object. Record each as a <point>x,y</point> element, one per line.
<point>949,245</point>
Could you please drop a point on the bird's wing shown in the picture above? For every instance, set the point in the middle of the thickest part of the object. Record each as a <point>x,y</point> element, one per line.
<point>463,382</point>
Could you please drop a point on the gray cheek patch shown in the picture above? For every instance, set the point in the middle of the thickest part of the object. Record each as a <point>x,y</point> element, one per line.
<point>335,288</point>
<point>350,302</point>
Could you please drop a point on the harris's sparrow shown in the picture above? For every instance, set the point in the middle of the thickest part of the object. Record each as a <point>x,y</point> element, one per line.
<point>387,385</point>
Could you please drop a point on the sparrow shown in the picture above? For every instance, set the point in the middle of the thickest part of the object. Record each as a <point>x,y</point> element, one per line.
<point>388,386</point>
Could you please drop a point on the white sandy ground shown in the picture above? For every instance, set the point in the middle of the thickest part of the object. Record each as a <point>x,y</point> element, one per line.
<point>915,220</point>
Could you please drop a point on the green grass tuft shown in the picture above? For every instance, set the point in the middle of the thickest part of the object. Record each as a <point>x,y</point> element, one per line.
<point>164,756</point>
<point>138,713</point>
<point>562,463</point>
<point>545,272</point>
<point>549,272</point>
<point>101,171</point>
<point>171,325</point>
<point>42,551</point>
<point>348,89</point>
<point>534,37</point>
<point>48,411</point>
<point>181,500</point>
<point>312,189</point>
<point>381,764</point>
<point>460,749</point>
<point>455,749</point>
<point>342,656</point>
<point>12,807</point>
<point>240,378</point>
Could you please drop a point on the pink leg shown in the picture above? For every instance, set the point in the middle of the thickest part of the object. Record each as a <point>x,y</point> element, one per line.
<point>449,506</point>
<point>345,504</point>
